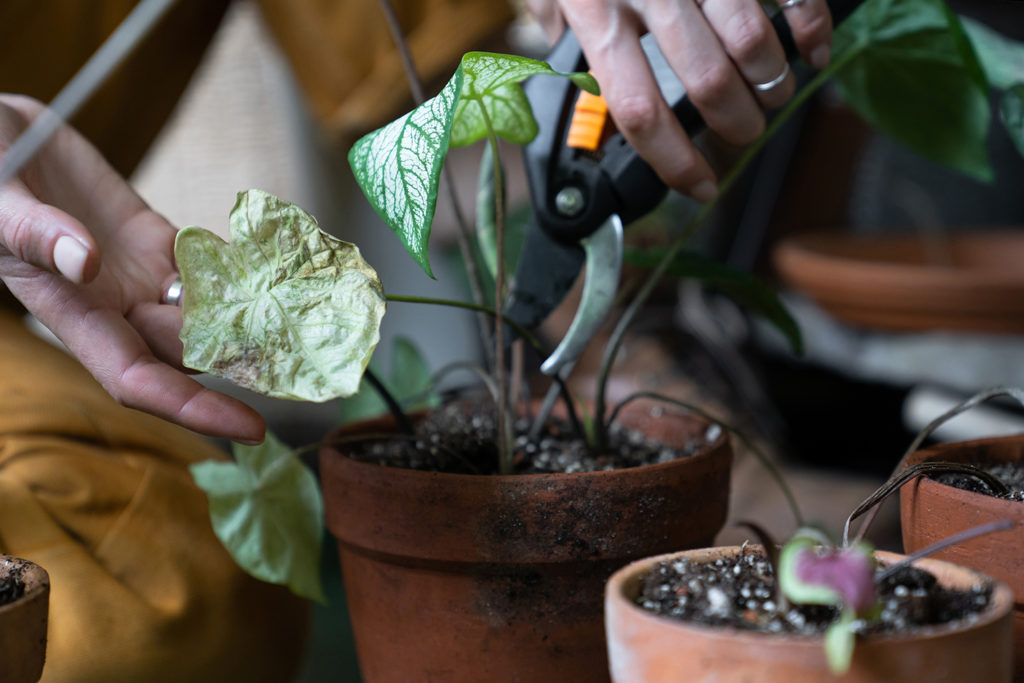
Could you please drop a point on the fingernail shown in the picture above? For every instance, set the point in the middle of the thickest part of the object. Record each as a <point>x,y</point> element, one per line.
<point>704,192</point>
<point>820,56</point>
<point>69,256</point>
<point>249,442</point>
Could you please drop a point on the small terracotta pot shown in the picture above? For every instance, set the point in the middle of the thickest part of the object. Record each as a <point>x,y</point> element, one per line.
<point>455,577</point>
<point>931,512</point>
<point>647,648</point>
<point>23,623</point>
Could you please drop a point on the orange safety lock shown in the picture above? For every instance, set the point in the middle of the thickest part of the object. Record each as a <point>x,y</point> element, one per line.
<point>588,119</point>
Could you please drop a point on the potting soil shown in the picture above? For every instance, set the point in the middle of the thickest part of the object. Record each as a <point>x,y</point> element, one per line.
<point>12,586</point>
<point>738,592</point>
<point>457,439</point>
<point>1010,473</point>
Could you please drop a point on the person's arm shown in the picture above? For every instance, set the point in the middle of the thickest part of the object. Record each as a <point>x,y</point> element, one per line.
<point>91,261</point>
<point>719,49</point>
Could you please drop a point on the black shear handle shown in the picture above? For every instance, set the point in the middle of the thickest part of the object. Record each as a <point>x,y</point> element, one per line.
<point>615,180</point>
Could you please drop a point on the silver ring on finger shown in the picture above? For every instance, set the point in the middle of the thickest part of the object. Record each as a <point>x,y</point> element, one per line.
<point>790,3</point>
<point>172,297</point>
<point>774,83</point>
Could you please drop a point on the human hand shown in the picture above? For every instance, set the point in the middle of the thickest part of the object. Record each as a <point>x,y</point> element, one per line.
<point>91,261</point>
<point>717,48</point>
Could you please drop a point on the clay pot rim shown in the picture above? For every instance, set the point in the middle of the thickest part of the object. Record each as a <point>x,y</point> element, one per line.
<point>711,450</point>
<point>38,584</point>
<point>1000,506</point>
<point>1001,603</point>
<point>824,250</point>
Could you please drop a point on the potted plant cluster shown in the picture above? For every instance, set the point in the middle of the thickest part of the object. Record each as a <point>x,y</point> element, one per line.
<point>24,608</point>
<point>476,519</point>
<point>815,610</point>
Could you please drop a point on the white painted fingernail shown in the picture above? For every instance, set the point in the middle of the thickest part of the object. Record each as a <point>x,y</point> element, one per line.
<point>820,56</point>
<point>69,256</point>
<point>704,192</point>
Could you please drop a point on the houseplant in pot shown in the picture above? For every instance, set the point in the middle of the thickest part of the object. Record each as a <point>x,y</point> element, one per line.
<point>811,611</point>
<point>299,316</point>
<point>24,608</point>
<point>936,507</point>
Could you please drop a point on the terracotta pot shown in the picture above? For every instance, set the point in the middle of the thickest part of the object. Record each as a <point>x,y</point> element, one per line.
<point>23,623</point>
<point>647,648</point>
<point>930,512</point>
<point>500,578</point>
<point>965,281</point>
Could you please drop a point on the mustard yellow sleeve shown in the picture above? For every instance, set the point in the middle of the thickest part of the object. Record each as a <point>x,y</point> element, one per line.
<point>101,497</point>
<point>345,61</point>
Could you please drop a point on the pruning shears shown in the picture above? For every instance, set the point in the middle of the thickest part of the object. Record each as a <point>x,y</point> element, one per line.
<point>586,183</point>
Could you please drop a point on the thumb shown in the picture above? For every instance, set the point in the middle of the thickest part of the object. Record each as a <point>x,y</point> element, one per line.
<point>46,237</point>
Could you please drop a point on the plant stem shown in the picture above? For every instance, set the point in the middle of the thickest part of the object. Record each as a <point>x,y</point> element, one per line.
<point>765,461</point>
<point>530,338</point>
<point>615,340</point>
<point>464,236</point>
<point>505,441</point>
<point>998,525</point>
<point>901,477</point>
<point>396,410</point>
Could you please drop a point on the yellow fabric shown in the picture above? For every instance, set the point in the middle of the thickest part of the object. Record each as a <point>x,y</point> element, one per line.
<point>340,51</point>
<point>345,60</point>
<point>101,497</point>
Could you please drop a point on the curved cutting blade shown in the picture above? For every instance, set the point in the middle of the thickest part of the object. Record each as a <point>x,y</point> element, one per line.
<point>604,266</point>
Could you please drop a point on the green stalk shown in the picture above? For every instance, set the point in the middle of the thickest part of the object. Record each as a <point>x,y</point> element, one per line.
<point>530,338</point>
<point>615,341</point>
<point>505,440</point>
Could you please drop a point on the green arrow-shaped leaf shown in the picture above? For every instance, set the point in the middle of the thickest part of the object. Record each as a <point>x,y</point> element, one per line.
<point>283,309</point>
<point>398,166</point>
<point>267,511</point>
<point>1011,112</point>
<point>907,68</point>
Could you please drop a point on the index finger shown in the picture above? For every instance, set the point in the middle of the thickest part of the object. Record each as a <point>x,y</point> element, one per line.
<point>638,109</point>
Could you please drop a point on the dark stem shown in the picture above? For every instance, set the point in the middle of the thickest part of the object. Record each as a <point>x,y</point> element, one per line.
<point>615,340</point>
<point>903,476</point>
<point>971,402</point>
<point>1000,525</point>
<point>396,410</point>
<point>558,389</point>
<point>464,236</point>
<point>761,456</point>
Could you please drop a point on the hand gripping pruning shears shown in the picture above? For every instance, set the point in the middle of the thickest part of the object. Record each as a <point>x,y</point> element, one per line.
<point>585,185</point>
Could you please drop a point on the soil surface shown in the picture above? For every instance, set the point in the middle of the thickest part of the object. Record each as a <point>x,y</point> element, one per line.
<point>738,592</point>
<point>459,439</point>
<point>1010,473</point>
<point>12,586</point>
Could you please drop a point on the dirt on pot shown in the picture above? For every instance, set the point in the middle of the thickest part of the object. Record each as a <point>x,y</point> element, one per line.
<point>12,586</point>
<point>460,439</point>
<point>738,592</point>
<point>1010,473</point>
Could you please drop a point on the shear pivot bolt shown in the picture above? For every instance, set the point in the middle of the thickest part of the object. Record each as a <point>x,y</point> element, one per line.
<point>569,201</point>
